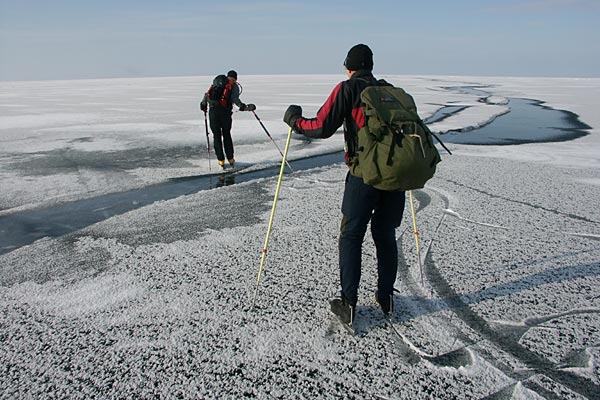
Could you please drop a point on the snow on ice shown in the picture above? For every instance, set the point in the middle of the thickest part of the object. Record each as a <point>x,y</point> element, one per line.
<point>156,302</point>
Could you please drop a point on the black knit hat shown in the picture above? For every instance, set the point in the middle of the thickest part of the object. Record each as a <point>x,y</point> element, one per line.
<point>359,57</point>
<point>232,74</point>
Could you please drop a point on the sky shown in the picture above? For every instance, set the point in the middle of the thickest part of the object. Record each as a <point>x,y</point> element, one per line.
<point>66,39</point>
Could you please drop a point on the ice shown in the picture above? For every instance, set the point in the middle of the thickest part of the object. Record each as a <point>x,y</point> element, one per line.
<point>156,302</point>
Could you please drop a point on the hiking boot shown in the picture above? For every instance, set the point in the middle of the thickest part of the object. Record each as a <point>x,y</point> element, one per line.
<point>231,162</point>
<point>221,163</point>
<point>343,310</point>
<point>385,302</point>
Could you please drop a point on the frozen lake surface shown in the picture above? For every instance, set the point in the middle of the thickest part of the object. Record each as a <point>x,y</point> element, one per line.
<point>154,302</point>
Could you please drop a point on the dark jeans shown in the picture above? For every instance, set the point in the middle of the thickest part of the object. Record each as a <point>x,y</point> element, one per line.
<point>220,125</point>
<point>363,203</point>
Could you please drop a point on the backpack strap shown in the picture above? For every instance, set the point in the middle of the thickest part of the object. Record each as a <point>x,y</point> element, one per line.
<point>434,135</point>
<point>397,141</point>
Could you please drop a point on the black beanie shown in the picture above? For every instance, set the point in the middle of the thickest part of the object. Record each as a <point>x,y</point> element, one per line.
<point>232,74</point>
<point>359,57</point>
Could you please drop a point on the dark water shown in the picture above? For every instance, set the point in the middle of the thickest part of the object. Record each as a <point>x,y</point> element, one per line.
<point>444,113</point>
<point>23,228</point>
<point>528,121</point>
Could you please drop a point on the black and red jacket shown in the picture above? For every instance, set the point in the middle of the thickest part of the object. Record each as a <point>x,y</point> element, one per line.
<point>230,96</point>
<point>343,106</point>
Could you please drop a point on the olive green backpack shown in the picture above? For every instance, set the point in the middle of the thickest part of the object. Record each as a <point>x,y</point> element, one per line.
<point>395,148</point>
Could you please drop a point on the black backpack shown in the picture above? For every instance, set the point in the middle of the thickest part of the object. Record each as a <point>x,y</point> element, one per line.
<point>217,90</point>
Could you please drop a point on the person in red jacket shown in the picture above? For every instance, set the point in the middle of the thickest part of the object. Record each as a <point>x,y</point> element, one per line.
<point>361,203</point>
<point>220,115</point>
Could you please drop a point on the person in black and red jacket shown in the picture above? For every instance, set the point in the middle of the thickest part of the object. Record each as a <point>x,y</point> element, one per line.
<point>361,203</point>
<point>220,115</point>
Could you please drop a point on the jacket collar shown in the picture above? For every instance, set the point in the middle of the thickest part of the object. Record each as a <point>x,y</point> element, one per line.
<point>362,74</point>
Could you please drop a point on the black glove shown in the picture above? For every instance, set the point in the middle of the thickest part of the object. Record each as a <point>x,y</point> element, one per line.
<point>250,107</point>
<point>204,106</point>
<point>291,115</point>
<point>243,107</point>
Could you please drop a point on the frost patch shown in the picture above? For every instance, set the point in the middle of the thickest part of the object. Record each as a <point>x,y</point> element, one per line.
<point>86,297</point>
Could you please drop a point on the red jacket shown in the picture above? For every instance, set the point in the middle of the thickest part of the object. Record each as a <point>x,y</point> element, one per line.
<point>343,106</point>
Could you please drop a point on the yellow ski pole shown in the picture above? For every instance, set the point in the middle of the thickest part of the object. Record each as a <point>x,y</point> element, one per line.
<point>264,250</point>
<point>416,233</point>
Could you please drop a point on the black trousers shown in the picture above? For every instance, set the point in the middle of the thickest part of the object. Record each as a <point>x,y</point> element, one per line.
<point>363,204</point>
<point>220,125</point>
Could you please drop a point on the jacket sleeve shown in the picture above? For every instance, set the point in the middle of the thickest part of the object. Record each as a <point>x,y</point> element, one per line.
<point>235,95</point>
<point>329,117</point>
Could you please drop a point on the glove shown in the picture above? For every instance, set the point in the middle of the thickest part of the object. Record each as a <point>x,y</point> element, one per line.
<point>243,107</point>
<point>250,107</point>
<point>292,113</point>
<point>203,106</point>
